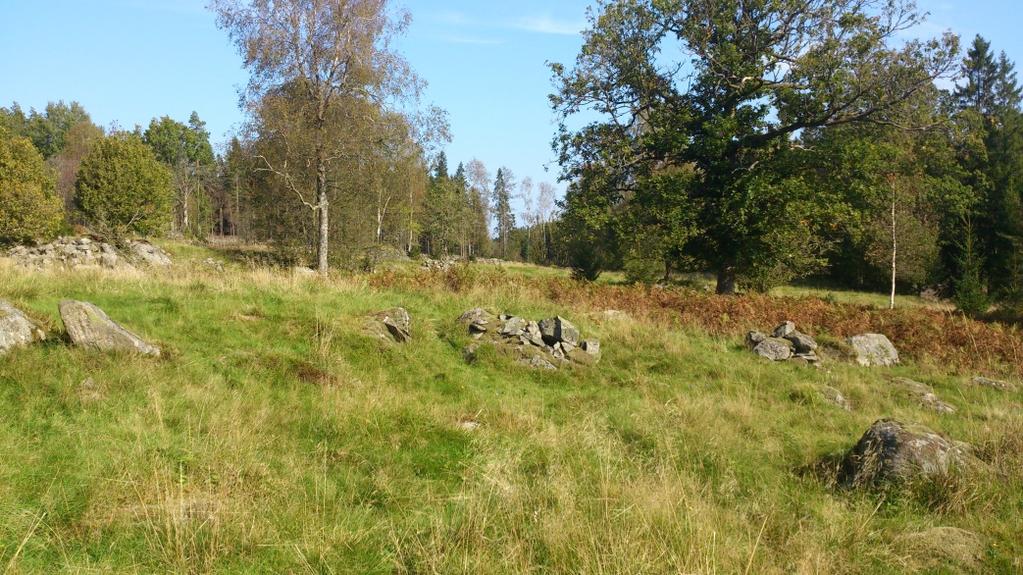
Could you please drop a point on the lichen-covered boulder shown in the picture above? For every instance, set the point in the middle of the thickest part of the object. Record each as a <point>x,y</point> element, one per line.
<point>89,327</point>
<point>993,383</point>
<point>149,254</point>
<point>774,349</point>
<point>892,452</point>
<point>874,350</point>
<point>16,330</point>
<point>393,324</point>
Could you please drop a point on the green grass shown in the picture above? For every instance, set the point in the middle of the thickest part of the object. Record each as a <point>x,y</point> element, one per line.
<point>275,437</point>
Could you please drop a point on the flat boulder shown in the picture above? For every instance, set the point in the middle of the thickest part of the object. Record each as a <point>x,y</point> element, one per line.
<point>774,349</point>
<point>891,452</point>
<point>874,350</point>
<point>923,394</point>
<point>88,326</point>
<point>993,383</point>
<point>16,330</point>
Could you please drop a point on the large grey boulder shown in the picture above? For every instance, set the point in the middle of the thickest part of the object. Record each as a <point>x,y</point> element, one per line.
<point>16,330</point>
<point>89,327</point>
<point>558,329</point>
<point>149,254</point>
<point>874,350</point>
<point>892,452</point>
<point>774,349</point>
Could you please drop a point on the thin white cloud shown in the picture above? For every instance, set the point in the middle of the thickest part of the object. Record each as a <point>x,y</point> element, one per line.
<point>470,40</point>
<point>548,25</point>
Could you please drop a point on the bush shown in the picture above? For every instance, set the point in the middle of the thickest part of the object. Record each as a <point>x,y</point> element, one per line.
<point>30,210</point>
<point>122,189</point>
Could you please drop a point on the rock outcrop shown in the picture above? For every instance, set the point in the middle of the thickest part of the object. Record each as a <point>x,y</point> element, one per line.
<point>16,329</point>
<point>88,326</point>
<point>85,252</point>
<point>546,344</point>
<point>874,350</point>
<point>892,452</point>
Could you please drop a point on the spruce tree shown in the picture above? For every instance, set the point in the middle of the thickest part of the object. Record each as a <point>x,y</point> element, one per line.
<point>502,209</point>
<point>989,101</point>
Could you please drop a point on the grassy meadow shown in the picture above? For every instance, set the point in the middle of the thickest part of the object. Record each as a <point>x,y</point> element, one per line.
<point>275,436</point>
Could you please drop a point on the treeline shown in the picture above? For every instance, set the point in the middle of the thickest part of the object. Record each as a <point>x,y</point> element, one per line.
<point>809,139</point>
<point>167,179</point>
<point>338,159</point>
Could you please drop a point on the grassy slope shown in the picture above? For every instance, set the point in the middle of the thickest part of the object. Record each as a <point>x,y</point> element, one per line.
<point>275,437</point>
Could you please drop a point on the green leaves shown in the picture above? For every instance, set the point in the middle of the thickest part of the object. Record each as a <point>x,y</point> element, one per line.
<point>122,189</point>
<point>29,208</point>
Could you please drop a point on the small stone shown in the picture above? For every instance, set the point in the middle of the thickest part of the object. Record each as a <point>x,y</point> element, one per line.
<point>835,397</point>
<point>592,347</point>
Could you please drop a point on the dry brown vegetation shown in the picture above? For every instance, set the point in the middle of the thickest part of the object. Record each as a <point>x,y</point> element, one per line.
<point>920,333</point>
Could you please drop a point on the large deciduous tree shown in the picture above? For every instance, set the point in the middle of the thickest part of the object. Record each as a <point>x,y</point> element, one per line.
<point>722,90</point>
<point>316,53</point>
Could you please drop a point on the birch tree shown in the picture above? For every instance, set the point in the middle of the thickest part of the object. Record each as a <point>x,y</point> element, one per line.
<point>318,52</point>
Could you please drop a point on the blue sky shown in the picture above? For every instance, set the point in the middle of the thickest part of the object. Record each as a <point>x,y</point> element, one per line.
<point>485,62</point>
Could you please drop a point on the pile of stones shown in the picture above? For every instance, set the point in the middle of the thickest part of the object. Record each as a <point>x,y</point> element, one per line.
<point>85,252</point>
<point>439,265</point>
<point>87,327</point>
<point>786,343</point>
<point>546,344</point>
